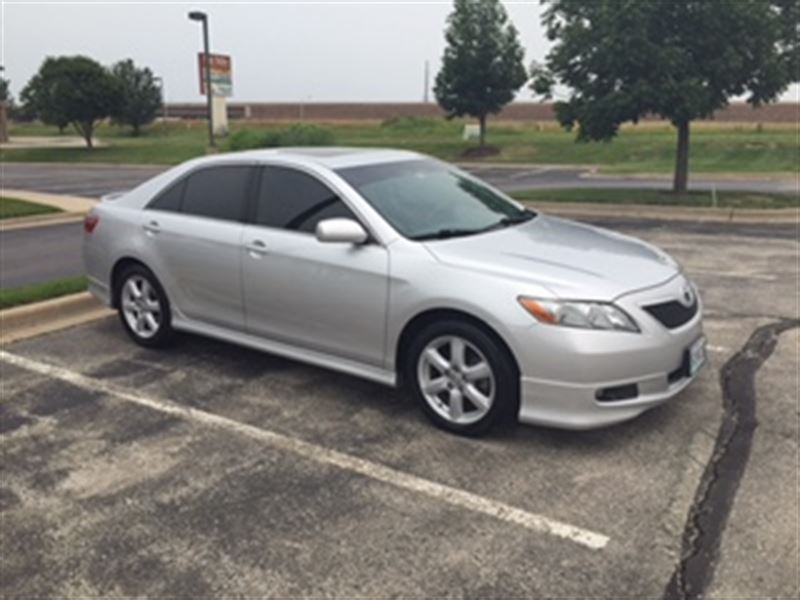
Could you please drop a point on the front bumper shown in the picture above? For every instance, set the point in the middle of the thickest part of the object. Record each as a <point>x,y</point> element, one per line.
<point>565,371</point>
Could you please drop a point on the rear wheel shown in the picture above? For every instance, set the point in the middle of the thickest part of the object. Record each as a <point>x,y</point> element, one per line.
<point>463,378</point>
<point>143,307</point>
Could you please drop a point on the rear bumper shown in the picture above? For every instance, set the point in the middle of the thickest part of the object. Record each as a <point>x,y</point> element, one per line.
<point>99,290</point>
<point>565,386</point>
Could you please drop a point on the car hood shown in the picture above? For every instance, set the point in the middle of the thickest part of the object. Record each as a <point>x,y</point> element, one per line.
<point>572,260</point>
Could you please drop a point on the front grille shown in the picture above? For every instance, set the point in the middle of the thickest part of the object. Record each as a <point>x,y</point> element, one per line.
<point>672,314</point>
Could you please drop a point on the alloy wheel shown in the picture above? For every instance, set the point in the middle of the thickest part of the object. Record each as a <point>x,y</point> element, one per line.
<point>141,307</point>
<point>456,379</point>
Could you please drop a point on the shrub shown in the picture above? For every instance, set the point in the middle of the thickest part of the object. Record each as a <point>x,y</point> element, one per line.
<point>245,139</point>
<point>411,124</point>
<point>295,135</point>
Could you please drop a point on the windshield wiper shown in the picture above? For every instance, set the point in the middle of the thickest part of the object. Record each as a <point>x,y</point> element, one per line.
<point>523,217</point>
<point>443,234</point>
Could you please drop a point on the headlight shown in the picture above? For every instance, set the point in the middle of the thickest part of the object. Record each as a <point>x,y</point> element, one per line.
<point>584,315</point>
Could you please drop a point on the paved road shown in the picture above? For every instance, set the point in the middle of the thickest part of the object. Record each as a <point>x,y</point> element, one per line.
<point>91,181</point>
<point>291,481</point>
<point>30,256</point>
<point>95,180</point>
<point>36,255</point>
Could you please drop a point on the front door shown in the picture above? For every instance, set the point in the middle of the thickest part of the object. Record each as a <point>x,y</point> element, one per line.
<point>328,297</point>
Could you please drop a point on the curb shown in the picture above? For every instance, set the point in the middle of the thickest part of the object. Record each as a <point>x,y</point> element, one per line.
<point>30,320</point>
<point>776,216</point>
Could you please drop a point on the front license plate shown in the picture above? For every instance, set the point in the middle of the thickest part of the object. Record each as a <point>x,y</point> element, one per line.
<point>697,356</point>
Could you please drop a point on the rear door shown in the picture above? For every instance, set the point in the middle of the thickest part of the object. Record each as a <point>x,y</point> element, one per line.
<point>198,246</point>
<point>328,297</point>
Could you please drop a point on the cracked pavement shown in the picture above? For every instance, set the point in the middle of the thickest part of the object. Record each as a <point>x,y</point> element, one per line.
<point>103,496</point>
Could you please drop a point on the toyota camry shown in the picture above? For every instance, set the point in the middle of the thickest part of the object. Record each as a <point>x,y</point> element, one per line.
<point>402,269</point>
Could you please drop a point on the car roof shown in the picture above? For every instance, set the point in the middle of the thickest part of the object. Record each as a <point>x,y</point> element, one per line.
<point>330,157</point>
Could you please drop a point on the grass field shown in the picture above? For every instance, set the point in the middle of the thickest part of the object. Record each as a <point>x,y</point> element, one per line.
<point>662,198</point>
<point>648,148</point>
<point>41,291</point>
<point>13,207</point>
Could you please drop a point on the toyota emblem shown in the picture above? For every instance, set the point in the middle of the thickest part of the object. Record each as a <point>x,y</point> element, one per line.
<point>688,296</point>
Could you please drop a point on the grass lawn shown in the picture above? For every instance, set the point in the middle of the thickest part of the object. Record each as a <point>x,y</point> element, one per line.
<point>13,207</point>
<point>657,197</point>
<point>41,291</point>
<point>647,148</point>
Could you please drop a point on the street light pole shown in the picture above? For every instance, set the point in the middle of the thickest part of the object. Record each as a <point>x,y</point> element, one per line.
<point>3,116</point>
<point>161,88</point>
<point>196,15</point>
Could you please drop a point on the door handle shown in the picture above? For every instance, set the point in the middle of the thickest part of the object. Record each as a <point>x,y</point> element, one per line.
<point>151,227</point>
<point>256,248</point>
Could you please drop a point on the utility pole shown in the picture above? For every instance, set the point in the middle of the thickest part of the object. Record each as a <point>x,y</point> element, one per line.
<point>196,15</point>
<point>425,92</point>
<point>3,116</point>
<point>161,87</point>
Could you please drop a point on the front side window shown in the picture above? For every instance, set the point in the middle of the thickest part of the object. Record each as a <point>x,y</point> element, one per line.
<point>291,199</point>
<point>427,199</point>
<point>218,192</point>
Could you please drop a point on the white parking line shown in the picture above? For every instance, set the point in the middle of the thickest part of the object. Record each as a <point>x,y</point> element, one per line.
<point>320,454</point>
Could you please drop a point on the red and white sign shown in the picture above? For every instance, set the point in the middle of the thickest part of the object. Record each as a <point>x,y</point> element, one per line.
<point>221,74</point>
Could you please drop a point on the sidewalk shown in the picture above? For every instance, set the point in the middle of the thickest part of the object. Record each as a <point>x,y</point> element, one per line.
<point>18,142</point>
<point>73,208</point>
<point>577,210</point>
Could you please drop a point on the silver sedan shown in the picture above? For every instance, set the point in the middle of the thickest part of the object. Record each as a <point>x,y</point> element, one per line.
<point>401,269</point>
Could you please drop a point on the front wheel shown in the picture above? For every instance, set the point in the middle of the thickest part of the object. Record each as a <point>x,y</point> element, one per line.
<point>463,378</point>
<point>143,307</point>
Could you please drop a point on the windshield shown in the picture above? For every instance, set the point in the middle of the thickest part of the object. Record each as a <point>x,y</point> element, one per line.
<point>426,199</point>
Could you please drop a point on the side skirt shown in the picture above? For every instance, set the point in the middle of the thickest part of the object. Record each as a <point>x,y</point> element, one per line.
<point>305,355</point>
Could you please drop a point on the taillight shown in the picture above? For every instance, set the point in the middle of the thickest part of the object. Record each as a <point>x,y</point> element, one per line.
<point>90,222</point>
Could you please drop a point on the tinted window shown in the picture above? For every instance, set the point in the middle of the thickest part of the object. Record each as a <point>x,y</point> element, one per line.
<point>217,192</point>
<point>293,200</point>
<point>169,199</point>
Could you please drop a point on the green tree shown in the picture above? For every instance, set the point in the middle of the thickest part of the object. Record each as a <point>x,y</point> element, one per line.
<point>679,59</point>
<point>35,97</point>
<point>482,66</point>
<point>5,92</point>
<point>73,90</point>
<point>141,96</point>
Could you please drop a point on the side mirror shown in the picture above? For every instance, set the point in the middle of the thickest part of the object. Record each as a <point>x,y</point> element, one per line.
<point>344,231</point>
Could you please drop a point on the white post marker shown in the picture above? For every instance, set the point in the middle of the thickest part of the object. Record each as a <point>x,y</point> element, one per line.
<point>472,132</point>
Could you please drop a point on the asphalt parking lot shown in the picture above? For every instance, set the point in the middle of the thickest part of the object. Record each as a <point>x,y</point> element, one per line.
<point>213,470</point>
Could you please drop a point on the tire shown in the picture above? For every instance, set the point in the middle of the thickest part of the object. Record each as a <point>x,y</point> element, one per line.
<point>146,317</point>
<point>465,392</point>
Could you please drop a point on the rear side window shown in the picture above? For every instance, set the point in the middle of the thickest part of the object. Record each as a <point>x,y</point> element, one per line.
<point>290,199</point>
<point>218,193</point>
<point>169,199</point>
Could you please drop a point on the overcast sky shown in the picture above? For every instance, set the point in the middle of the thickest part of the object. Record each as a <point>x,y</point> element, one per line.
<point>322,50</point>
